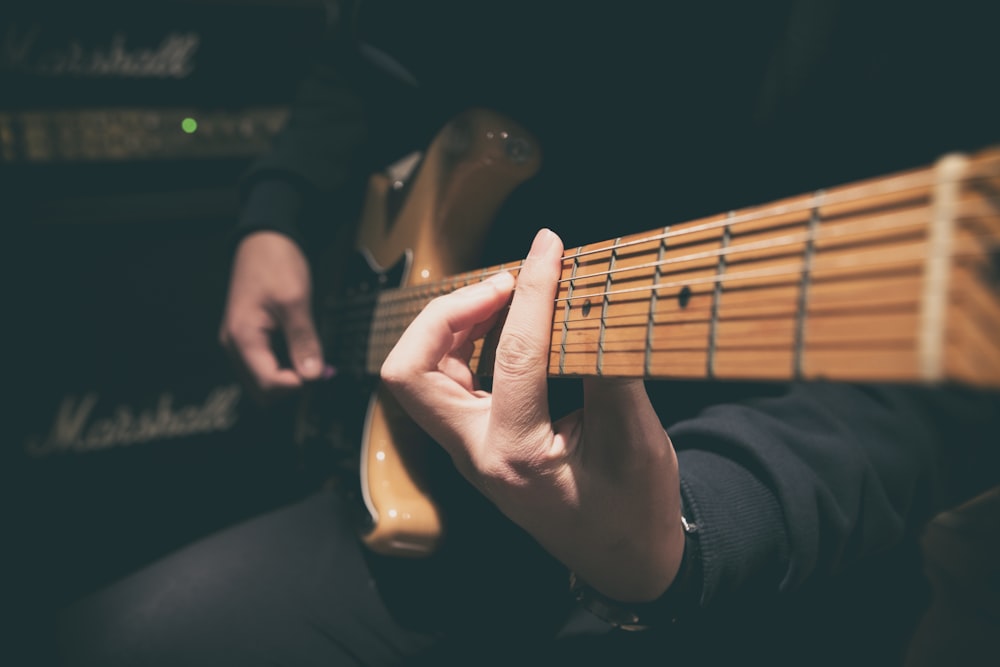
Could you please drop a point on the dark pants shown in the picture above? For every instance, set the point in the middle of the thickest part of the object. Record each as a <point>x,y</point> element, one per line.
<point>295,586</point>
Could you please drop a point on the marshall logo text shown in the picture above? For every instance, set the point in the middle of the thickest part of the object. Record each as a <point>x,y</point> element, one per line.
<point>76,430</point>
<point>173,58</point>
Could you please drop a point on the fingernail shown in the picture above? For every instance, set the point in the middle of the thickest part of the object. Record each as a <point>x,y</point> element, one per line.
<point>328,372</point>
<point>543,241</point>
<point>310,366</point>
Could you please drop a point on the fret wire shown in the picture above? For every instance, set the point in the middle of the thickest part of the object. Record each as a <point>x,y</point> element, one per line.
<point>716,297</point>
<point>565,331</point>
<point>803,300</point>
<point>940,237</point>
<point>604,308</point>
<point>652,304</point>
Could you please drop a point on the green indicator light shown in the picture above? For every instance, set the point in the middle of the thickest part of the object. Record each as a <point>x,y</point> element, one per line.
<point>189,125</point>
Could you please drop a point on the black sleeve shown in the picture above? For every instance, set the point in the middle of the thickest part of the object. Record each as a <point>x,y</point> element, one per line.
<point>312,159</point>
<point>812,482</point>
<point>312,179</point>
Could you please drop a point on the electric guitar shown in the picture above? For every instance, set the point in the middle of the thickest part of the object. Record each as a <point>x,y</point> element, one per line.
<point>895,279</point>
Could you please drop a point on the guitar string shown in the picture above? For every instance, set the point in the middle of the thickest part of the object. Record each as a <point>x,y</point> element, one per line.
<point>851,193</point>
<point>741,218</point>
<point>418,295</point>
<point>827,200</point>
<point>781,271</point>
<point>789,270</point>
<point>417,301</point>
<point>371,356</point>
<point>418,292</point>
<point>404,308</point>
<point>699,316</point>
<point>832,233</point>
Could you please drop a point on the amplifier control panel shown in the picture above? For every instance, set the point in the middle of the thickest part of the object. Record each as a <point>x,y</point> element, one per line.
<point>130,134</point>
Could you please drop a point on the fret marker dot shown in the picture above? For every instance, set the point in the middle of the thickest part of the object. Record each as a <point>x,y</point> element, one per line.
<point>586,308</point>
<point>684,297</point>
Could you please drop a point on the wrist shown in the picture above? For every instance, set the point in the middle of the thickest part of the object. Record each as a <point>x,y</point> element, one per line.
<point>681,599</point>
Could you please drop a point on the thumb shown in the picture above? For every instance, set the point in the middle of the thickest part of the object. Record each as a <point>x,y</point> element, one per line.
<point>303,342</point>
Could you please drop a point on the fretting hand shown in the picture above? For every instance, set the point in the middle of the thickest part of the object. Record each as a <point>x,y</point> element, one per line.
<point>598,488</point>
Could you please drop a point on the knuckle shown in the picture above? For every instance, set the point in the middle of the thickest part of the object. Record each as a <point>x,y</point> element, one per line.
<point>240,336</point>
<point>291,296</point>
<point>392,373</point>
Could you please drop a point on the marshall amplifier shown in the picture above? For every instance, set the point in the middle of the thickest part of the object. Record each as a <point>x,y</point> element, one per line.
<point>123,131</point>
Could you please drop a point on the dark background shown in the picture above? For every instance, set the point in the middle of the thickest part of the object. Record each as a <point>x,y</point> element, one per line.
<point>117,264</point>
<point>117,267</point>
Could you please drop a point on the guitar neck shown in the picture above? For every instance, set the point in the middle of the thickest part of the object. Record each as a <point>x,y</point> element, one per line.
<point>892,279</point>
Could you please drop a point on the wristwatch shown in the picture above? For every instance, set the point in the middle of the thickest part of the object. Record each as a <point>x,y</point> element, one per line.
<point>680,599</point>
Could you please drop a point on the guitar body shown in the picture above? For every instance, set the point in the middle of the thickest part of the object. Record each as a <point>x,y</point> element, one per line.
<point>435,230</point>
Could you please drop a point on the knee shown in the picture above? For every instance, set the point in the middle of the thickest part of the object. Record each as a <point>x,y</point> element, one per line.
<point>118,627</point>
<point>175,612</point>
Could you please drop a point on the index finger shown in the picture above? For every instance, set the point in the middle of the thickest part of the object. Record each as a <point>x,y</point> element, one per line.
<point>520,390</point>
<point>412,371</point>
<point>431,335</point>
